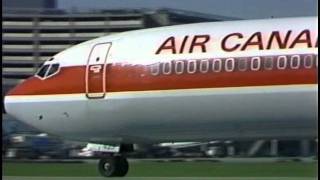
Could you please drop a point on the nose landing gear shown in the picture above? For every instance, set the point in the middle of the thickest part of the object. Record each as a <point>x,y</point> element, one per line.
<point>113,163</point>
<point>113,166</point>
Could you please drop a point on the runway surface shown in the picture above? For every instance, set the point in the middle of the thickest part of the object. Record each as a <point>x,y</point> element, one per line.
<point>157,178</point>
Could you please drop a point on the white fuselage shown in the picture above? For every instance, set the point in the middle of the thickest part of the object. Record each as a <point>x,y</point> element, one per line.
<point>183,97</point>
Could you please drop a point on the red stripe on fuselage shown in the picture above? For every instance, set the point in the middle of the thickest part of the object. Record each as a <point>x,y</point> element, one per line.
<point>121,78</point>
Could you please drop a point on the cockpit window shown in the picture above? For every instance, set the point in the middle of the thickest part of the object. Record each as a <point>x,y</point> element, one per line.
<point>48,70</point>
<point>43,71</point>
<point>53,69</point>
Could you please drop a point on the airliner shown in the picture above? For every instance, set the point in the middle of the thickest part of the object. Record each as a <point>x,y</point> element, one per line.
<point>246,79</point>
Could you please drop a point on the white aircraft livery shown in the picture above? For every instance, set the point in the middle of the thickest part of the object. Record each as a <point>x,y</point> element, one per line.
<point>244,79</point>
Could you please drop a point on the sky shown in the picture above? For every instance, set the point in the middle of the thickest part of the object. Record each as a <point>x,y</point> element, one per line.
<point>245,9</point>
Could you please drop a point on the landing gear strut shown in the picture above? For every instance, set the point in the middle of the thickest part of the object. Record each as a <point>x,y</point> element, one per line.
<point>113,166</point>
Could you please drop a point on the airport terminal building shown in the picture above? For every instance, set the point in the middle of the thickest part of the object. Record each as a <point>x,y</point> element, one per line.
<point>31,36</point>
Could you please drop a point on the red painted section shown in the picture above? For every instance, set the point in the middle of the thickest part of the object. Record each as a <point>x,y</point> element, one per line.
<point>138,78</point>
<point>68,80</point>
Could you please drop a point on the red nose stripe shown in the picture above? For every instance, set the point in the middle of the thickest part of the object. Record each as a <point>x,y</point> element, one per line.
<point>68,81</point>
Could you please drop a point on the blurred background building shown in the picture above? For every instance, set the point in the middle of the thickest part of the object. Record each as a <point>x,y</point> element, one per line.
<point>32,32</point>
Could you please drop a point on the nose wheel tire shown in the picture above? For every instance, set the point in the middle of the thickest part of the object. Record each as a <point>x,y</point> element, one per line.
<point>114,166</point>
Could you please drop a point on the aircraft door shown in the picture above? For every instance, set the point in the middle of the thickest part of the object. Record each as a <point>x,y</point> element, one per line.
<point>96,71</point>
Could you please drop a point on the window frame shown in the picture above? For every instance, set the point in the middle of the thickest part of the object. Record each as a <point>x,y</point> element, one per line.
<point>56,72</point>
<point>37,73</point>
<point>46,76</point>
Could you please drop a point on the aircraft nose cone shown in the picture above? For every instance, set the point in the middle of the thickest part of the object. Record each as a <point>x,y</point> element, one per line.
<point>20,107</point>
<point>5,102</point>
<point>10,105</point>
<point>14,101</point>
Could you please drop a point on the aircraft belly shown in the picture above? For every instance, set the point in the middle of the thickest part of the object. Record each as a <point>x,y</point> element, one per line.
<point>176,115</point>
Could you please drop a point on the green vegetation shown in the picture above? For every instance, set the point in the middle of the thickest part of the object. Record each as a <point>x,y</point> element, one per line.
<point>168,169</point>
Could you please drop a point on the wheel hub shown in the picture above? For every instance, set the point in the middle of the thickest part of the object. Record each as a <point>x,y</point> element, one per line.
<point>107,166</point>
